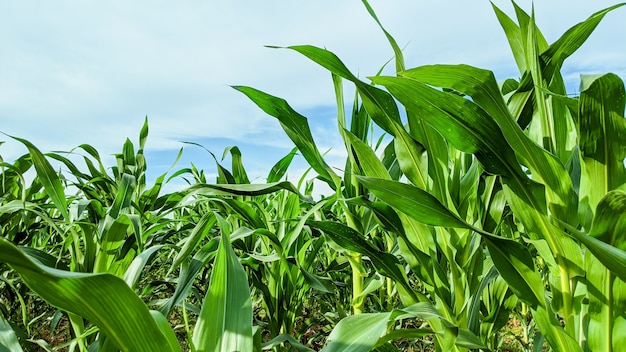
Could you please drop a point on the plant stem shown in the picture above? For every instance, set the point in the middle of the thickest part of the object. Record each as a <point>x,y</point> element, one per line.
<point>568,308</point>
<point>357,283</point>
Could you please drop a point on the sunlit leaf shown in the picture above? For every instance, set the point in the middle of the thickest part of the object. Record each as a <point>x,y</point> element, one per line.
<point>121,316</point>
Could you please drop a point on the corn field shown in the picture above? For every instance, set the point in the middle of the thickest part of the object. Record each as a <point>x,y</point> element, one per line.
<point>470,215</point>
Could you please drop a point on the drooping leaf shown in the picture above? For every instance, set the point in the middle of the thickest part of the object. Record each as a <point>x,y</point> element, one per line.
<point>464,124</point>
<point>386,263</point>
<point>382,109</point>
<point>517,268</point>
<point>573,39</point>
<point>297,128</point>
<point>481,86</point>
<point>122,316</point>
<point>252,189</point>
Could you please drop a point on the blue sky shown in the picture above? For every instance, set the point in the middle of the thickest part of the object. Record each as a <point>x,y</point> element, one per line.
<point>77,72</point>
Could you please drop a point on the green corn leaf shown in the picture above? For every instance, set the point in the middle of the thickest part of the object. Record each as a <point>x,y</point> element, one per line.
<point>514,36</point>
<point>382,109</point>
<point>253,189</point>
<point>188,272</point>
<point>453,335</point>
<point>525,22</point>
<point>124,195</point>
<point>476,303</point>
<point>511,259</point>
<point>121,316</point>
<point>609,224</point>
<point>607,304</point>
<point>409,334</point>
<point>357,333</point>
<point>552,331</point>
<point>602,131</point>
<point>517,268</point>
<point>605,240</point>
<point>573,39</point>
<point>367,159</point>
<point>133,273</point>
<point>70,166</point>
<point>386,263</point>
<point>481,86</point>
<point>166,329</point>
<point>225,321</point>
<point>143,134</point>
<point>223,175</point>
<point>320,283</point>
<point>350,239</point>
<point>282,338</point>
<point>8,340</point>
<point>48,178</point>
<point>280,168</point>
<point>396,49</point>
<point>245,211</point>
<point>199,232</point>
<point>379,104</point>
<point>386,216</point>
<point>18,205</point>
<point>127,158</point>
<point>464,124</point>
<point>297,128</point>
<point>545,129</point>
<point>239,172</point>
<point>413,201</point>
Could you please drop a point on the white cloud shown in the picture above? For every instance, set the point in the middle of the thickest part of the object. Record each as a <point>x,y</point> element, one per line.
<point>88,72</point>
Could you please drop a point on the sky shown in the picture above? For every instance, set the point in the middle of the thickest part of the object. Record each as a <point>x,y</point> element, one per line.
<point>75,71</point>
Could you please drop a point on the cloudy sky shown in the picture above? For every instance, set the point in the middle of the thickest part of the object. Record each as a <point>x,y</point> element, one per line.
<point>75,72</point>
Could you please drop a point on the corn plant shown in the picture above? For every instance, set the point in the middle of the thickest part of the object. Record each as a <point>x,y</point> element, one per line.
<point>104,309</point>
<point>477,201</point>
<point>268,235</point>
<point>524,149</point>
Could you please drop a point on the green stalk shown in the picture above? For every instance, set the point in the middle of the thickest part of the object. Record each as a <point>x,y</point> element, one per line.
<point>389,283</point>
<point>357,282</point>
<point>608,289</point>
<point>568,305</point>
<point>525,325</point>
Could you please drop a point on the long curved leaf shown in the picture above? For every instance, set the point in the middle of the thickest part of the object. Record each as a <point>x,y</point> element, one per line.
<point>103,299</point>
<point>481,86</point>
<point>243,190</point>
<point>297,128</point>
<point>8,339</point>
<point>413,201</point>
<point>383,110</point>
<point>225,321</point>
<point>48,177</point>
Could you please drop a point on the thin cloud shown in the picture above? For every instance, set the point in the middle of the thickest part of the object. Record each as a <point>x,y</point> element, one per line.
<point>89,72</point>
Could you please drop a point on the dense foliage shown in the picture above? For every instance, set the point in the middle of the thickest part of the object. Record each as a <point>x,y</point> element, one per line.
<point>480,205</point>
